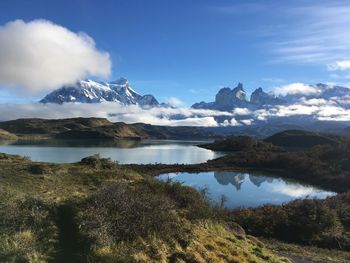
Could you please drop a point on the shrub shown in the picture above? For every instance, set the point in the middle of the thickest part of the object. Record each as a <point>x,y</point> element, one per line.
<point>123,213</point>
<point>96,161</point>
<point>27,229</point>
<point>302,221</point>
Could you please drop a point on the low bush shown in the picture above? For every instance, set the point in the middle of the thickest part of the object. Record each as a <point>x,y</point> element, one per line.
<point>123,213</point>
<point>324,223</point>
<point>27,229</point>
<point>96,161</point>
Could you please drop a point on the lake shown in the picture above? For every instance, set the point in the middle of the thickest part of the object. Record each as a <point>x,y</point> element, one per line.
<point>247,189</point>
<point>124,151</point>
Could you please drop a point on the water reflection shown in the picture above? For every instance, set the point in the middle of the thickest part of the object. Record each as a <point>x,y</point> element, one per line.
<point>247,189</point>
<point>122,143</point>
<point>226,178</point>
<point>237,179</point>
<point>123,150</point>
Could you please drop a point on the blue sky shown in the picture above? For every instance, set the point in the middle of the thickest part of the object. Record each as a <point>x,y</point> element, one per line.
<point>189,49</point>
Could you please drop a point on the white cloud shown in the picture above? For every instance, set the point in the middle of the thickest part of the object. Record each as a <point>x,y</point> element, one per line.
<point>295,88</point>
<point>173,101</point>
<point>234,122</point>
<point>247,121</point>
<point>241,111</point>
<point>314,33</point>
<point>314,102</point>
<point>339,65</point>
<point>114,112</point>
<point>295,190</point>
<point>314,108</point>
<point>39,55</point>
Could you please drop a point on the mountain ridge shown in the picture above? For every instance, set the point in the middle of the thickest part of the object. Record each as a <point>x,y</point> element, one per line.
<point>228,99</point>
<point>89,91</point>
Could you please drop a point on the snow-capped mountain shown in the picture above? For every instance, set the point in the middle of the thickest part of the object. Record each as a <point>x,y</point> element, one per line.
<point>228,99</point>
<point>88,91</point>
<point>260,98</point>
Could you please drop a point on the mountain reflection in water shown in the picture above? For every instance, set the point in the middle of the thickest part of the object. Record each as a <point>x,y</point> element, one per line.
<point>247,189</point>
<point>237,179</point>
<point>121,150</point>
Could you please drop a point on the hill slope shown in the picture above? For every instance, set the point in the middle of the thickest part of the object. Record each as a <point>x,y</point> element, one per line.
<point>5,135</point>
<point>300,138</point>
<point>99,128</point>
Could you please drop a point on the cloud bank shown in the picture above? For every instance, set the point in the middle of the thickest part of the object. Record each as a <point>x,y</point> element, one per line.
<point>339,65</point>
<point>295,88</point>
<point>39,55</point>
<point>316,109</point>
<point>114,112</point>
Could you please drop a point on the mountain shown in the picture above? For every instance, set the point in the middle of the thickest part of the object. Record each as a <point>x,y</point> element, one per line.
<point>88,91</point>
<point>228,99</point>
<point>100,128</point>
<point>259,98</point>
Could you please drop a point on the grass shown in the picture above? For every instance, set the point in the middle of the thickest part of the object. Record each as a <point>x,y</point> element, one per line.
<point>44,205</point>
<point>27,229</point>
<point>210,242</point>
<point>306,253</point>
<point>114,213</point>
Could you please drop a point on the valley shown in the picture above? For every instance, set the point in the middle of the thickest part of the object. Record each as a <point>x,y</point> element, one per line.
<point>85,194</point>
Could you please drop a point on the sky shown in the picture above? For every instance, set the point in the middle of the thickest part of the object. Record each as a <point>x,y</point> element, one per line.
<point>190,49</point>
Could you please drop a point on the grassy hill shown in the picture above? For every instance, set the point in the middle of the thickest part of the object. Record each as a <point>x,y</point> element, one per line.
<point>301,139</point>
<point>5,135</point>
<point>98,211</point>
<point>240,143</point>
<point>99,128</point>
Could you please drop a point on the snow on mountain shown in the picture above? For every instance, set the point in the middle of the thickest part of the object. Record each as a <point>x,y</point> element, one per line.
<point>89,91</point>
<point>228,99</point>
<point>260,98</point>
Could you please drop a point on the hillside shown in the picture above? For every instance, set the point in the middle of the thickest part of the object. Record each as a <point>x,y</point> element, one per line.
<point>240,143</point>
<point>99,128</point>
<point>301,139</point>
<point>325,165</point>
<point>5,135</point>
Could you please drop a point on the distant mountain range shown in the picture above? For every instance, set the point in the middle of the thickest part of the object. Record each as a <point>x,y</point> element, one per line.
<point>228,99</point>
<point>88,91</point>
<point>295,106</point>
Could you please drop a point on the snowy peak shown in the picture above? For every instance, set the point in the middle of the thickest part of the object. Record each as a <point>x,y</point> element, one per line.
<point>226,96</point>
<point>89,91</point>
<point>228,99</point>
<point>239,92</point>
<point>121,82</point>
<point>260,98</point>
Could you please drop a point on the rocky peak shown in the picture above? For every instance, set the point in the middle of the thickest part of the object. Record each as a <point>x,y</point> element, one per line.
<point>228,96</point>
<point>89,91</point>
<point>227,99</point>
<point>260,97</point>
<point>121,82</point>
<point>239,92</point>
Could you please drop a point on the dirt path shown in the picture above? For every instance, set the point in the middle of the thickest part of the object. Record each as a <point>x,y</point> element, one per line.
<point>71,247</point>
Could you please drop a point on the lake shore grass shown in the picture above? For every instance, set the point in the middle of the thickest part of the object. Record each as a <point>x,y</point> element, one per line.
<point>44,205</point>
<point>68,226</point>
